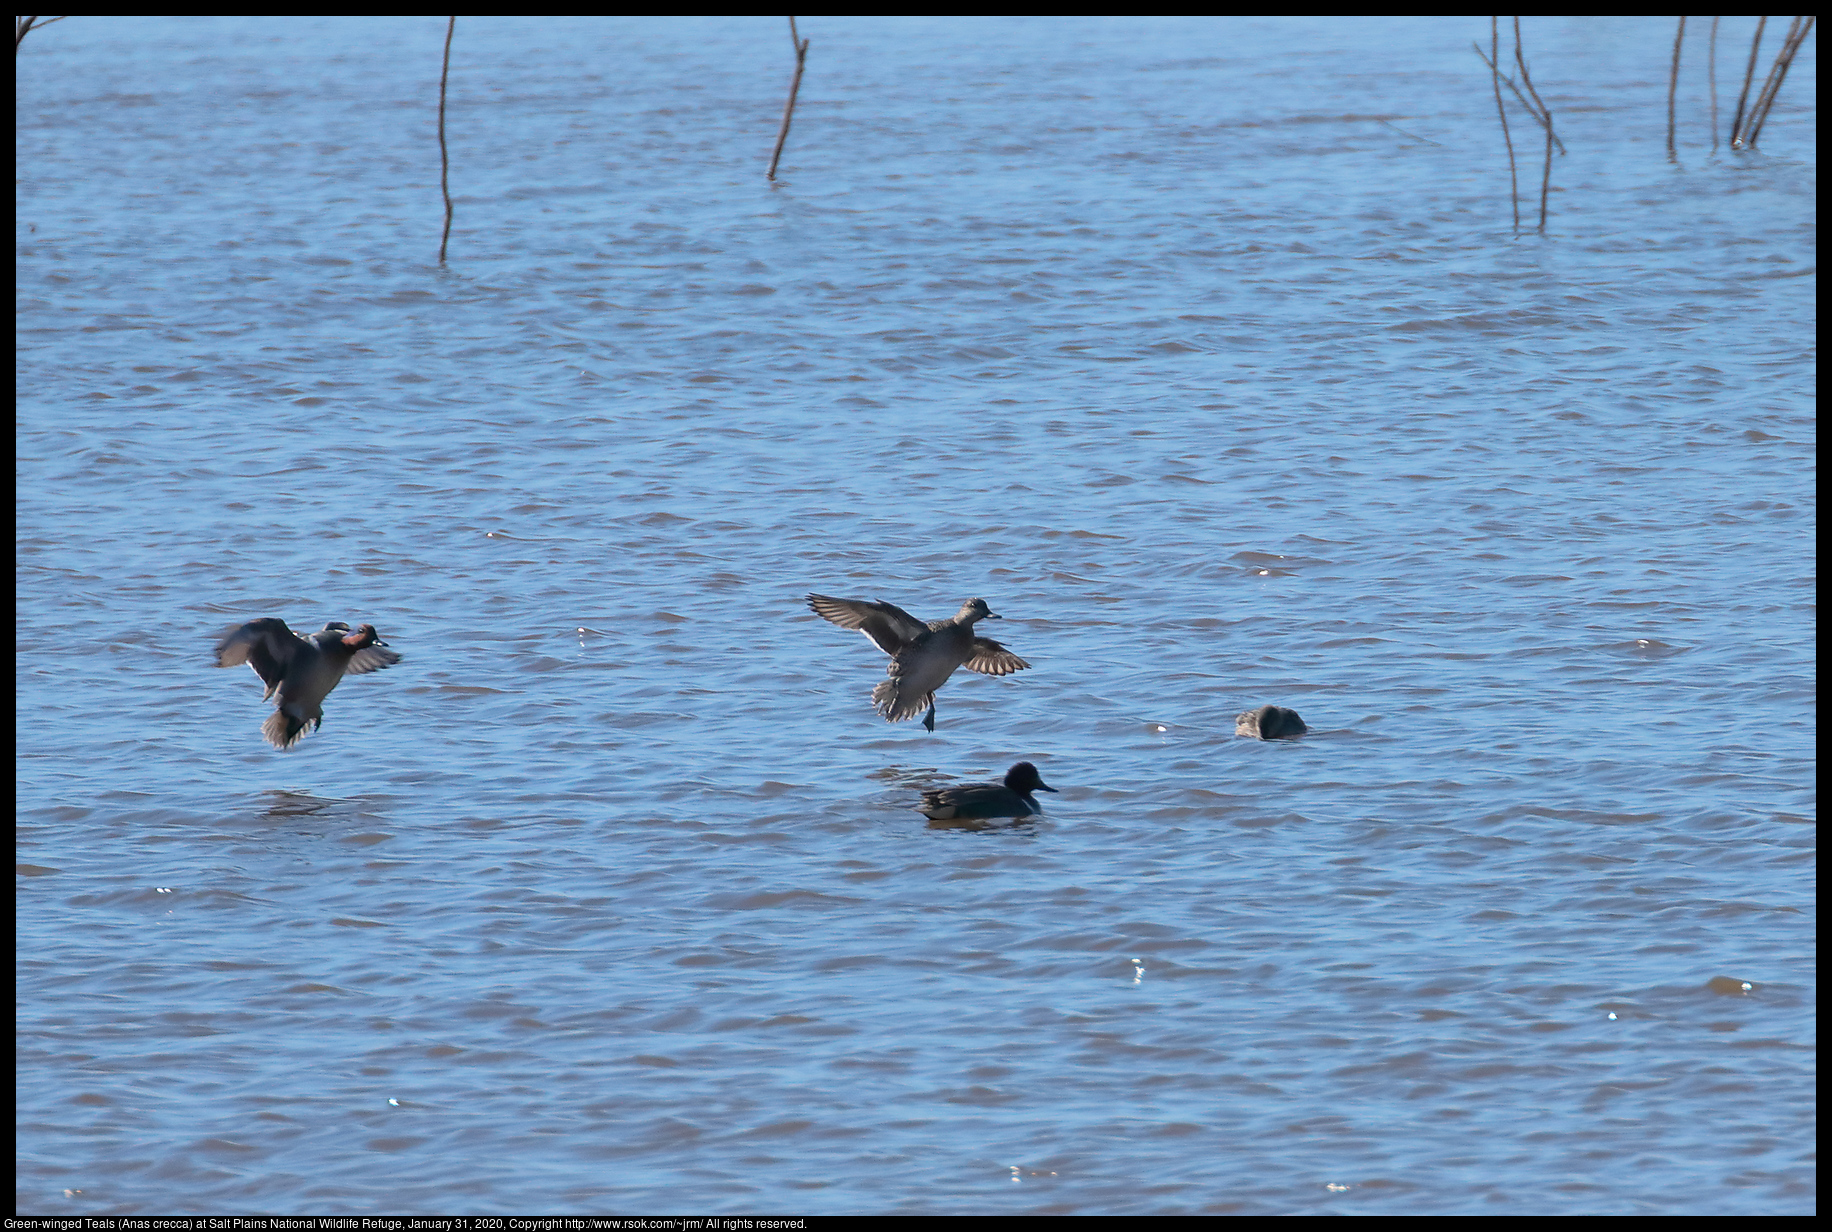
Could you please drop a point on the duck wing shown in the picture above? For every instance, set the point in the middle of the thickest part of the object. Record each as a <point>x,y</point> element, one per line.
<point>888,626</point>
<point>991,659</point>
<point>372,659</point>
<point>266,645</point>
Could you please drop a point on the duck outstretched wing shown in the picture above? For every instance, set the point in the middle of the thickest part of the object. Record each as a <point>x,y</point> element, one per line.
<point>372,659</point>
<point>888,626</point>
<point>991,659</point>
<point>266,645</point>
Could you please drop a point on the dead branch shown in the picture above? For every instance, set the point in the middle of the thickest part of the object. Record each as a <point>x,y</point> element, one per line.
<point>788,108</point>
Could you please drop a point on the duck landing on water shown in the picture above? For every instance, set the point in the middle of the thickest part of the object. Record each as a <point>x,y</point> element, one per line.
<point>923,654</point>
<point>302,670</point>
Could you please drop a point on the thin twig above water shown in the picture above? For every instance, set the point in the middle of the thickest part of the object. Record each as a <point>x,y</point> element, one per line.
<point>445,162</point>
<point>23,26</point>
<point>1492,59</point>
<point>788,108</point>
<point>1515,90</point>
<point>1796,35</point>
<point>1749,73</point>
<point>1544,116</point>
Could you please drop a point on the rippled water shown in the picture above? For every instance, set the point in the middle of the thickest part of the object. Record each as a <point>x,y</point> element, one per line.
<point>1203,350</point>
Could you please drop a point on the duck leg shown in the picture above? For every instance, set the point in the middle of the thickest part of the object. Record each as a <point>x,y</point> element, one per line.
<point>928,720</point>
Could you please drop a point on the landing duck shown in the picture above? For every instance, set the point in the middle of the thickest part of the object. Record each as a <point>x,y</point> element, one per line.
<point>302,670</point>
<point>923,653</point>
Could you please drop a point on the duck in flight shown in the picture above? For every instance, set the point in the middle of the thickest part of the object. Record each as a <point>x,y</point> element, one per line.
<point>302,670</point>
<point>923,653</point>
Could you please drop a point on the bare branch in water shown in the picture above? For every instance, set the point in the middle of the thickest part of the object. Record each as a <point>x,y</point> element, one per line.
<point>1673,89</point>
<point>445,162</point>
<point>1796,35</point>
<point>1736,122</point>
<point>23,26</point>
<point>1545,117</point>
<point>1523,99</point>
<point>788,108</point>
<point>1493,59</point>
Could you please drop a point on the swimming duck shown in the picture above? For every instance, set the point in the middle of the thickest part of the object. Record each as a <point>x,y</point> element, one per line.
<point>1269,723</point>
<point>923,654</point>
<point>1012,798</point>
<point>302,670</point>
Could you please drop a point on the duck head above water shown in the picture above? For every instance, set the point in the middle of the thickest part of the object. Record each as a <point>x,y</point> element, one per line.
<point>1012,798</point>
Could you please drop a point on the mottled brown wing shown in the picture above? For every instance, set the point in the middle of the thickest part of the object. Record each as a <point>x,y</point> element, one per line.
<point>889,627</point>
<point>991,659</point>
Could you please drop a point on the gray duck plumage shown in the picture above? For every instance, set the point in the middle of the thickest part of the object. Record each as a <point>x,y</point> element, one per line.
<point>923,653</point>
<point>1012,798</point>
<point>301,669</point>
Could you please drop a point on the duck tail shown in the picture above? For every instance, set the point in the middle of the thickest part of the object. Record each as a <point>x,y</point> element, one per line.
<point>935,806</point>
<point>284,730</point>
<point>893,706</point>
